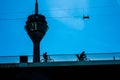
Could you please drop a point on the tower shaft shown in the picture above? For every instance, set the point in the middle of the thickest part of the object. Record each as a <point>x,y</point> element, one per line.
<point>36,52</point>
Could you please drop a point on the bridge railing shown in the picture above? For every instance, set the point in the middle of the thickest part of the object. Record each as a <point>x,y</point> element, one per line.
<point>63,57</point>
<point>90,56</point>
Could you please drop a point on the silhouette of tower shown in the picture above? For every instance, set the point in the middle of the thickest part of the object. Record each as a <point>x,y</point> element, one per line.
<point>36,27</point>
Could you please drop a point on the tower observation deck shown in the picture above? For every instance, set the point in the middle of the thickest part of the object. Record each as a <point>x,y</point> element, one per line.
<point>36,27</point>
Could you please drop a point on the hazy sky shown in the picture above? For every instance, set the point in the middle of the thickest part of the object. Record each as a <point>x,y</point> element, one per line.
<point>68,32</point>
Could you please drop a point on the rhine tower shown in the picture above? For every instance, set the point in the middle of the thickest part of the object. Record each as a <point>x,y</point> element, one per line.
<point>36,27</point>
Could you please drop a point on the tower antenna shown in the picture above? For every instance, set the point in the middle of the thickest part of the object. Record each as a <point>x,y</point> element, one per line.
<point>36,7</point>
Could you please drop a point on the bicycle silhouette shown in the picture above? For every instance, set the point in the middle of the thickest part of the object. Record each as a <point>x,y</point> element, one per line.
<point>85,59</point>
<point>48,60</point>
<point>82,57</point>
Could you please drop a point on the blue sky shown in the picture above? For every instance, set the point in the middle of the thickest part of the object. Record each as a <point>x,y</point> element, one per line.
<point>68,32</point>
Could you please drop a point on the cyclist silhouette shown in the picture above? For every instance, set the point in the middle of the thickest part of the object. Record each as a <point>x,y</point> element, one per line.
<point>45,56</point>
<point>82,56</point>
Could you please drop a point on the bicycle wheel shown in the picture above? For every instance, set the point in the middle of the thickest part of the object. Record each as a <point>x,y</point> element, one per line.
<point>51,60</point>
<point>42,60</point>
<point>87,59</point>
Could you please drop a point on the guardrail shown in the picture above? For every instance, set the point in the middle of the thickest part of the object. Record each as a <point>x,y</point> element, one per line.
<point>64,57</point>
